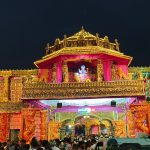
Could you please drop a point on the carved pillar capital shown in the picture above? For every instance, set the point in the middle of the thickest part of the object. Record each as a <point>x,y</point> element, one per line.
<point>65,72</point>
<point>54,73</point>
<point>99,70</point>
<point>6,88</point>
<point>113,72</point>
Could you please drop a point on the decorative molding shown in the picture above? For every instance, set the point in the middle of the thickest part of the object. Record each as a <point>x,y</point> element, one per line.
<point>5,72</point>
<point>139,69</point>
<point>11,107</point>
<point>122,88</point>
<point>87,50</point>
<point>18,72</point>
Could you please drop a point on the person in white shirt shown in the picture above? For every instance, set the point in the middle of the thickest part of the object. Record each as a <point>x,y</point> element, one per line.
<point>55,148</point>
<point>93,144</point>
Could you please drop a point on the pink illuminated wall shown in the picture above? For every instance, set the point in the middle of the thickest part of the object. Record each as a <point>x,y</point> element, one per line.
<point>94,130</point>
<point>89,60</point>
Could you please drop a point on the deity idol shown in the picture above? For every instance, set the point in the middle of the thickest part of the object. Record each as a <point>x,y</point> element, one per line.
<point>82,74</point>
<point>82,71</point>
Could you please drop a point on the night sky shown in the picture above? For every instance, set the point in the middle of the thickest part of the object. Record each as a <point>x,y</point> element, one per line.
<point>27,25</point>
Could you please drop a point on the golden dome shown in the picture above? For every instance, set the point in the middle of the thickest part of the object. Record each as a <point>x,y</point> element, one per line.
<point>82,39</point>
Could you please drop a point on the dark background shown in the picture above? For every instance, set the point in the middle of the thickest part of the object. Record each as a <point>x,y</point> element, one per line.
<point>27,25</point>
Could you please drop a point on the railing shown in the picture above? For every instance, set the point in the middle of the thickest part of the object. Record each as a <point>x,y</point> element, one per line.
<point>124,88</point>
<point>81,43</point>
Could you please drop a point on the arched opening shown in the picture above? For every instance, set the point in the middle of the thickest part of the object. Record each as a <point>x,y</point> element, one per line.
<point>106,127</point>
<point>87,125</point>
<point>66,128</point>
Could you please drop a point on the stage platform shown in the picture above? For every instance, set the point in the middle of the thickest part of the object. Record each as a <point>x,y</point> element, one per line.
<point>144,142</point>
<point>141,141</point>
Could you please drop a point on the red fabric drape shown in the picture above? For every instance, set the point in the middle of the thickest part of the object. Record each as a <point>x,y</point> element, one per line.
<point>3,127</point>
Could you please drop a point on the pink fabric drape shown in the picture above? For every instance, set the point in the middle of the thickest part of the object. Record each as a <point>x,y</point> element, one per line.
<point>59,72</point>
<point>107,70</point>
<point>50,75</point>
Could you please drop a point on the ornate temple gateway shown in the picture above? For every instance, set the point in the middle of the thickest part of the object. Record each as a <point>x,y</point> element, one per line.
<point>83,85</point>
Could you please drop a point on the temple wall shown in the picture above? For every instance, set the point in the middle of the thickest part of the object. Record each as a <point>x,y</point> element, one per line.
<point>33,121</point>
<point>27,124</point>
<point>60,76</point>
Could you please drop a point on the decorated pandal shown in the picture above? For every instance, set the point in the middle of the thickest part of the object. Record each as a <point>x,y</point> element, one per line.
<point>82,86</point>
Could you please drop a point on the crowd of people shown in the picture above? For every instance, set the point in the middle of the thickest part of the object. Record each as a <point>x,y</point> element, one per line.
<point>68,143</point>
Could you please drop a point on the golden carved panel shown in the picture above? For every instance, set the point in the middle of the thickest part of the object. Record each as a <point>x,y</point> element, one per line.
<point>131,125</point>
<point>11,83</point>
<point>120,128</point>
<point>140,113</point>
<point>1,90</point>
<point>53,130</point>
<point>16,89</point>
<point>139,107</point>
<point>78,90</point>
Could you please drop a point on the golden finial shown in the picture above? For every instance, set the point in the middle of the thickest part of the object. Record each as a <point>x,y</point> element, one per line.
<point>47,45</point>
<point>106,39</point>
<point>82,28</point>
<point>97,35</point>
<point>65,36</point>
<point>47,48</point>
<point>57,41</point>
<point>97,38</point>
<point>117,45</point>
<point>65,40</point>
